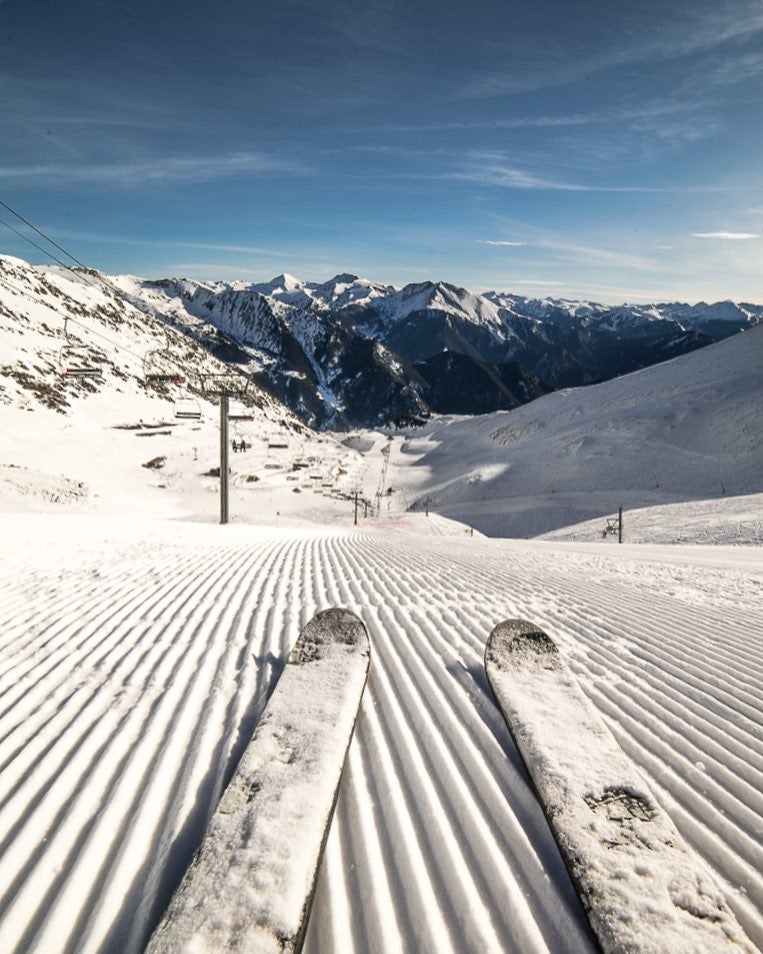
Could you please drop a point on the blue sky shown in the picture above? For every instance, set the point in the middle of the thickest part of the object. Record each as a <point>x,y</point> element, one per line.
<point>606,150</point>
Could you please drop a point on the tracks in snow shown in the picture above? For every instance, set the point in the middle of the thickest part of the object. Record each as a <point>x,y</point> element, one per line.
<point>134,665</point>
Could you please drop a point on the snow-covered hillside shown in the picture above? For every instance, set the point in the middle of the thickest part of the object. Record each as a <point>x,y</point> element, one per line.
<point>139,641</point>
<point>685,430</point>
<point>347,352</point>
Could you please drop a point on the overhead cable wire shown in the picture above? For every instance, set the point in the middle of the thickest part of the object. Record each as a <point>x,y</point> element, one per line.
<point>104,281</point>
<point>68,318</point>
<point>86,277</point>
<point>43,235</point>
<point>26,238</point>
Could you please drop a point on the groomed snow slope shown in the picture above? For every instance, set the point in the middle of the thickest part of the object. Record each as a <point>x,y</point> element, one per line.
<point>137,655</point>
<point>687,429</point>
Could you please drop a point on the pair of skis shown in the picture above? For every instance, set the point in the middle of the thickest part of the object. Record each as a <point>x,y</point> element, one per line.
<point>250,885</point>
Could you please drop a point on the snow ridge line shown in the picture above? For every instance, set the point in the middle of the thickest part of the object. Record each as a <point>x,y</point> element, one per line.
<point>145,717</point>
<point>165,668</point>
<point>191,592</point>
<point>405,650</point>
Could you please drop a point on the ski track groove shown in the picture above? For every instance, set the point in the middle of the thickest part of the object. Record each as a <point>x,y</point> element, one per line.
<point>651,682</point>
<point>75,662</point>
<point>217,728</point>
<point>359,824</point>
<point>135,688</point>
<point>77,783</point>
<point>416,756</point>
<point>732,854</point>
<point>426,754</point>
<point>29,703</point>
<point>714,800</point>
<point>408,827</point>
<point>710,745</point>
<point>408,653</point>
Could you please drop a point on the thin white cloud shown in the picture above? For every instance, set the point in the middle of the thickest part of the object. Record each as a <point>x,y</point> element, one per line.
<point>165,171</point>
<point>726,236</point>
<point>542,283</point>
<point>503,243</point>
<point>490,170</point>
<point>706,34</point>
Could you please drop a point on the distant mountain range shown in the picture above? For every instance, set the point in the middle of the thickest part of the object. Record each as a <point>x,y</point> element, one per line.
<point>349,352</point>
<point>352,353</point>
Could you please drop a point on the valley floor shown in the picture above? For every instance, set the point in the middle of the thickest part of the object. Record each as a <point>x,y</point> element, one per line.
<point>136,657</point>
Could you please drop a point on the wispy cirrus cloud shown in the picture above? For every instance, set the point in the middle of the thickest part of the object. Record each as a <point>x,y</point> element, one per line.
<point>501,242</point>
<point>669,40</point>
<point>727,236</point>
<point>493,169</point>
<point>158,171</point>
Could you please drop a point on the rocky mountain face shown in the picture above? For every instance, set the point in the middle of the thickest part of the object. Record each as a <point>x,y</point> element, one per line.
<point>349,352</point>
<point>353,353</point>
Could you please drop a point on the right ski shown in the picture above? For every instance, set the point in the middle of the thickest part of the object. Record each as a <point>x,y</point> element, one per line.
<point>644,889</point>
<point>250,884</point>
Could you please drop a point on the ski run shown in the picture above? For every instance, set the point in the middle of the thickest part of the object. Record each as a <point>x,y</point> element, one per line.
<point>140,643</point>
<point>137,657</point>
<point>615,839</point>
<point>251,883</point>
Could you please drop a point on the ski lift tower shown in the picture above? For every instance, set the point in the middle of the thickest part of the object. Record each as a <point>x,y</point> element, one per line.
<point>224,387</point>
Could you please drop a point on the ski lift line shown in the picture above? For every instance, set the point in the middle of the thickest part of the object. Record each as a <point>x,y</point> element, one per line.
<point>101,282</point>
<point>86,277</point>
<point>209,384</point>
<point>152,313</point>
<point>161,377</point>
<point>34,244</point>
<point>41,233</point>
<point>69,318</point>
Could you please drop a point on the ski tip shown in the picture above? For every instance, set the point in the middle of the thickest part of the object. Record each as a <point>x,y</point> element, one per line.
<point>516,639</point>
<point>331,628</point>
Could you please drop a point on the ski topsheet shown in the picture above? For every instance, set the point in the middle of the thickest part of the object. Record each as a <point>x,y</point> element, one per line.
<point>251,882</point>
<point>643,888</point>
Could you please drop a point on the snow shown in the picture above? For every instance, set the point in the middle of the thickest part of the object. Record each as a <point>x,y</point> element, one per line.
<point>257,865</point>
<point>615,838</point>
<point>685,431</point>
<point>140,640</point>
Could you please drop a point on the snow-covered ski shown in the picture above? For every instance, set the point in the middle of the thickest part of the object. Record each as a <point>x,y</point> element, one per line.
<point>643,888</point>
<point>250,885</point>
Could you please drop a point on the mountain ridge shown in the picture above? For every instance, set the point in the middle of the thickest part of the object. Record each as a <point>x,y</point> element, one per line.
<point>349,352</point>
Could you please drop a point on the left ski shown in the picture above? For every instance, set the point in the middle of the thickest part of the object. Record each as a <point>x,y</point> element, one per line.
<point>643,888</point>
<point>250,884</point>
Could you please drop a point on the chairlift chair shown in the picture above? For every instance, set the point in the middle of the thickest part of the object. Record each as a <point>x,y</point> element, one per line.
<point>76,361</point>
<point>168,378</point>
<point>78,364</point>
<point>188,409</point>
<point>154,367</point>
<point>239,412</point>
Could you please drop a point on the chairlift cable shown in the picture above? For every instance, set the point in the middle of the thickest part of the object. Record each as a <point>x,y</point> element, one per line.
<point>70,319</point>
<point>102,282</point>
<point>43,235</point>
<point>38,247</point>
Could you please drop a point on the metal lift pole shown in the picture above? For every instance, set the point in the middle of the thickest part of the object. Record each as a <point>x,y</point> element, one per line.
<point>223,458</point>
